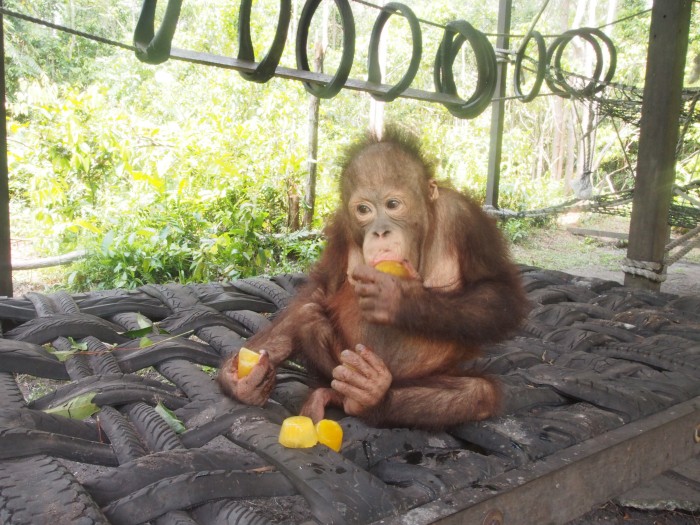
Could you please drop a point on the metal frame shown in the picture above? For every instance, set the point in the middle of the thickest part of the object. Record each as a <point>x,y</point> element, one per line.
<point>5,241</point>
<point>566,484</point>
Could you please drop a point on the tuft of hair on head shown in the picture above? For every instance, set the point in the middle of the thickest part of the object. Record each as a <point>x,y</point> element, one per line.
<point>401,138</point>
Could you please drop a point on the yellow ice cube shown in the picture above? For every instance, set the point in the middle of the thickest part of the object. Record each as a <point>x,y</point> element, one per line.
<point>298,432</point>
<point>247,359</point>
<point>330,433</point>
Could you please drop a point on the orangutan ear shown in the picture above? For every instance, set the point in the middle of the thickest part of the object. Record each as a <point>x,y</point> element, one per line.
<point>432,190</point>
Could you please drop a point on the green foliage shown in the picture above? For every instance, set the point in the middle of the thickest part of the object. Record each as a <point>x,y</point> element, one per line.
<point>518,231</point>
<point>154,203</point>
<point>192,245</point>
<point>34,51</point>
<point>515,230</point>
<point>181,172</point>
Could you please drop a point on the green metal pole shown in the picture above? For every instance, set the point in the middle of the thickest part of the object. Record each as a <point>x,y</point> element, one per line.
<point>5,246</point>
<point>498,108</point>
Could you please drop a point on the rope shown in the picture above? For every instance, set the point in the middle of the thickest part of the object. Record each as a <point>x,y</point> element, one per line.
<point>65,29</point>
<point>657,271</point>
<point>380,8</point>
<point>688,237</point>
<point>634,15</point>
<point>653,271</point>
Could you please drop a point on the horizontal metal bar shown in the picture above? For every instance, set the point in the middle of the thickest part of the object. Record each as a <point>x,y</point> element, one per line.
<point>565,485</point>
<point>247,66</point>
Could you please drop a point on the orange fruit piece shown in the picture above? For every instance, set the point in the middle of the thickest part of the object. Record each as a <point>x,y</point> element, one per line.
<point>393,268</point>
<point>298,432</point>
<point>247,359</point>
<point>330,433</point>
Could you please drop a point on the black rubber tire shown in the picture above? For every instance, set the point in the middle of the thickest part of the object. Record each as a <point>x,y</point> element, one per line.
<point>29,358</point>
<point>355,495</point>
<point>154,47</point>
<point>187,490</point>
<point>374,72</point>
<point>228,513</point>
<point>141,472</point>
<point>41,491</point>
<point>265,289</point>
<point>21,442</point>
<point>10,393</point>
<point>108,306</point>
<point>38,420</point>
<point>189,378</point>
<point>177,517</point>
<point>252,321</point>
<point>126,442</point>
<point>187,320</point>
<point>46,329</point>
<point>222,340</point>
<point>154,430</point>
<point>131,357</point>
<point>292,282</point>
<point>265,69</point>
<point>113,390</point>
<point>332,88</point>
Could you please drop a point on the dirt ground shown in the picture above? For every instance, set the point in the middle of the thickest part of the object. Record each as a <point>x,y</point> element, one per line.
<point>599,256</point>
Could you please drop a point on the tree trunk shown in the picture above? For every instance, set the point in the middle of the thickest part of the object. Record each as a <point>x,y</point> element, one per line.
<point>559,145</point>
<point>376,107</point>
<point>559,138</point>
<point>314,107</point>
<point>293,202</point>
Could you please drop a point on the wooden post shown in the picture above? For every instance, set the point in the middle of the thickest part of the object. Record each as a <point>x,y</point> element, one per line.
<point>498,107</point>
<point>5,246</point>
<point>649,230</point>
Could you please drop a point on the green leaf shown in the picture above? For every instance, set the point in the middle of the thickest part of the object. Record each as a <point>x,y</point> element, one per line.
<point>87,225</point>
<point>79,407</point>
<point>63,355</point>
<point>143,321</point>
<point>170,418</point>
<point>139,332</point>
<point>77,346</point>
<point>145,342</point>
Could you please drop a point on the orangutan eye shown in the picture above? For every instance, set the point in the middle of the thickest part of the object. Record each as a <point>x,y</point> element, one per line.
<point>363,209</point>
<point>392,204</point>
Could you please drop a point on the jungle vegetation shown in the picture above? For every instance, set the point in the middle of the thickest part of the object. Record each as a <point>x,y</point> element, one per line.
<point>183,172</point>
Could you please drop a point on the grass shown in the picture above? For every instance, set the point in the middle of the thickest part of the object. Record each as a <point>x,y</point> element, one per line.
<point>554,248</point>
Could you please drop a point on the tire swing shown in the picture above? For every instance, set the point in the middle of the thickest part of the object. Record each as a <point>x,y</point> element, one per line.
<point>265,70</point>
<point>456,33</point>
<point>332,88</point>
<point>557,82</point>
<point>374,73</point>
<point>541,67</point>
<point>152,47</point>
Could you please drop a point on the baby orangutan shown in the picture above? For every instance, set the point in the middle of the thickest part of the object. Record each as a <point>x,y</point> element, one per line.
<point>392,350</point>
